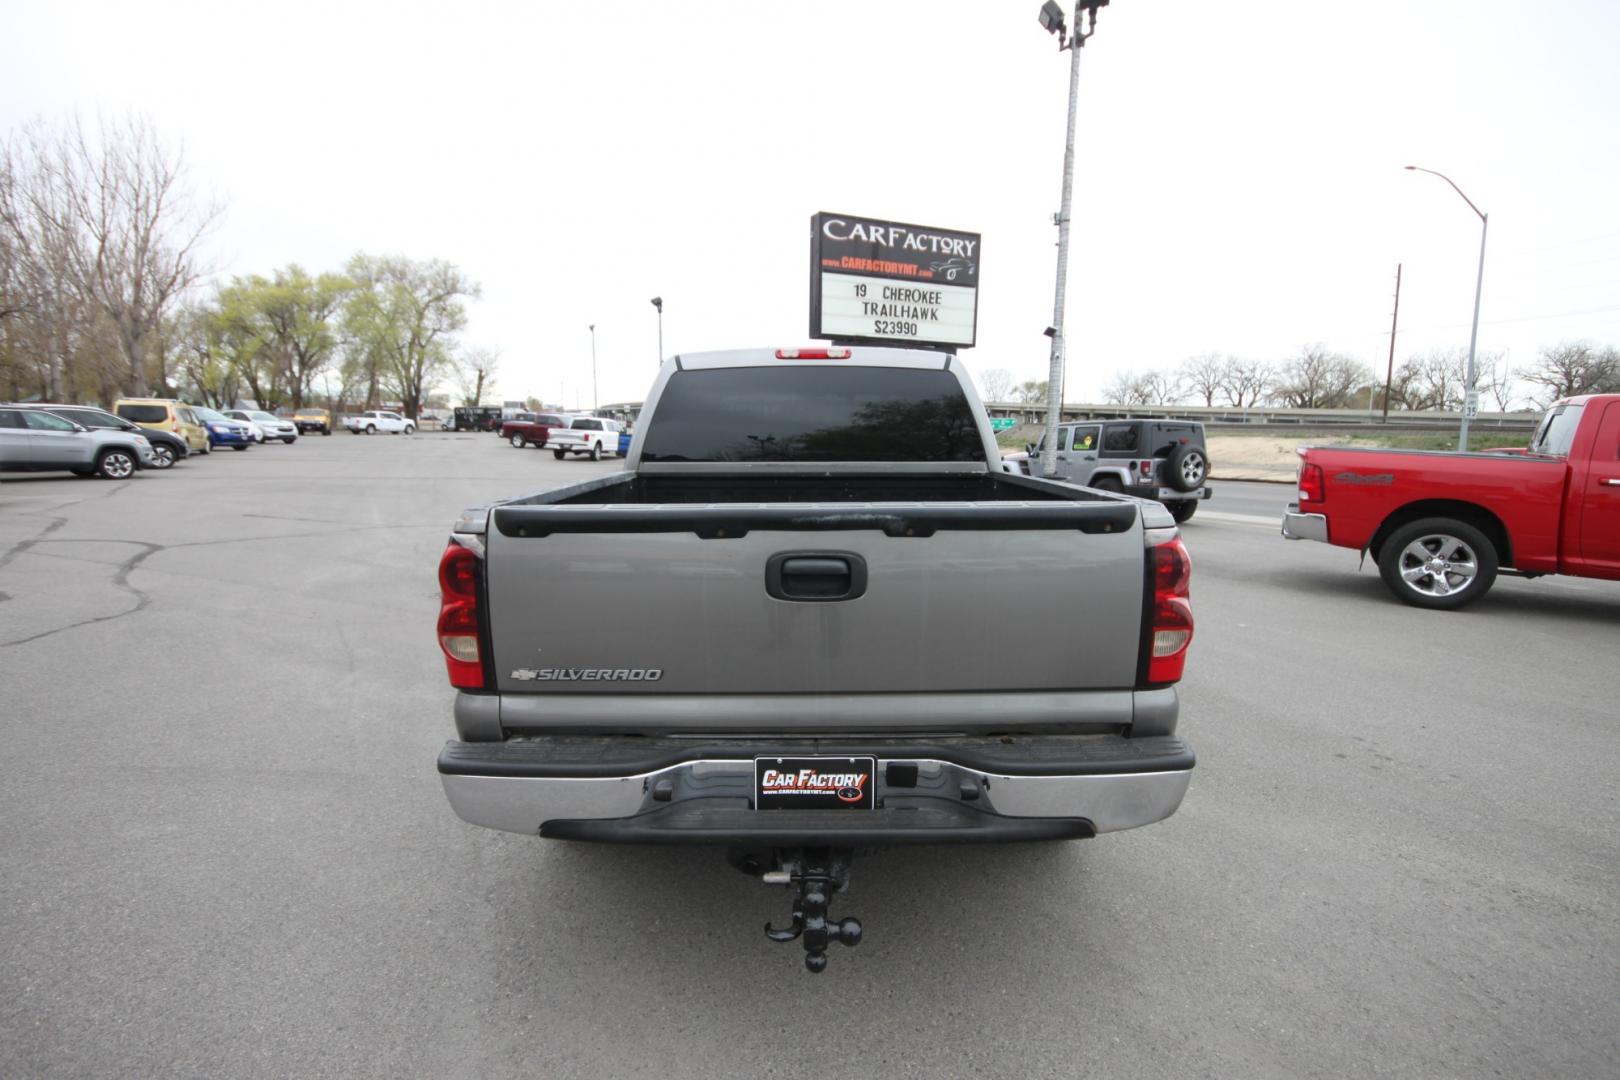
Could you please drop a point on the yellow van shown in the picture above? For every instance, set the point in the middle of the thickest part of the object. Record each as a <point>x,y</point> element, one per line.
<point>165,414</point>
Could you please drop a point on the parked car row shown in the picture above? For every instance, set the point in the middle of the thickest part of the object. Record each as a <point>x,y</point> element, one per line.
<point>137,433</point>
<point>562,434</point>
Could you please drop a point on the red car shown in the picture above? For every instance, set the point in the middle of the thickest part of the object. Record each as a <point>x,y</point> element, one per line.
<point>1441,525</point>
<point>532,432</point>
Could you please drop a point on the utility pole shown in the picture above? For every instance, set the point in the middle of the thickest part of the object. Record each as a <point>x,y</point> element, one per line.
<point>1051,19</point>
<point>1389,376</point>
<point>594,403</point>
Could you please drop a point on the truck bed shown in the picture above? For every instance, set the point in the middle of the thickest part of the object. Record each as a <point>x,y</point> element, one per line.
<point>975,585</point>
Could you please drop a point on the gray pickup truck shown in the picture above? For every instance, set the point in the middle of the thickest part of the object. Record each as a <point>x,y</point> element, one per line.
<point>814,614</point>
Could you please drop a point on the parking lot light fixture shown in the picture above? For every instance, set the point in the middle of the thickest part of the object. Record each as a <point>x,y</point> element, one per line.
<point>1051,19</point>
<point>1479,284</point>
<point>658,302</point>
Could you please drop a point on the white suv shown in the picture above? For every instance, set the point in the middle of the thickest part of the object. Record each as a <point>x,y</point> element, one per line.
<point>265,425</point>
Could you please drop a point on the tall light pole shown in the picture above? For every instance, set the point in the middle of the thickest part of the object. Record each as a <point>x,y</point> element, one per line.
<point>1051,19</point>
<point>594,403</point>
<point>1470,397</point>
<point>658,302</point>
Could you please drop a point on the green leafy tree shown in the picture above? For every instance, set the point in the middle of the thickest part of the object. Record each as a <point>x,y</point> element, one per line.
<point>400,322</point>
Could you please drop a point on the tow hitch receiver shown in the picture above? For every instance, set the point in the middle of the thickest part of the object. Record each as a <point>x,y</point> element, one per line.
<point>816,873</point>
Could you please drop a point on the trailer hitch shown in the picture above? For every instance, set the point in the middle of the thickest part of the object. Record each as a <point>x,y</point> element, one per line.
<point>816,873</point>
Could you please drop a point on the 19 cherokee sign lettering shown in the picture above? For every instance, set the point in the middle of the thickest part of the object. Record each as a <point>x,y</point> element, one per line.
<point>884,281</point>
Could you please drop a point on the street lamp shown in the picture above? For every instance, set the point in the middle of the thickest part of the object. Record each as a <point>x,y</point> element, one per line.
<point>594,403</point>
<point>1052,21</point>
<point>658,302</point>
<point>1470,398</point>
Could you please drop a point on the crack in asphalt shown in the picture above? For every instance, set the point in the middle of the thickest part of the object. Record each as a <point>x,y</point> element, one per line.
<point>120,579</point>
<point>23,545</point>
<point>125,568</point>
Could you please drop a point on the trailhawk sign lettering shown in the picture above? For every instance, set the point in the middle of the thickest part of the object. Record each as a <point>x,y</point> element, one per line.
<point>883,281</point>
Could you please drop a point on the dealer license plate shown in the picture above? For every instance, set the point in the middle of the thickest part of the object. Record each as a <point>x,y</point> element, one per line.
<point>815,783</point>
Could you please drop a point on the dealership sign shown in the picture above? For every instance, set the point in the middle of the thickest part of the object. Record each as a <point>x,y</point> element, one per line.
<point>892,283</point>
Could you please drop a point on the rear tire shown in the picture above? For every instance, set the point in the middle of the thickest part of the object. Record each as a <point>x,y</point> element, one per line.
<point>1109,484</point>
<point>596,451</point>
<point>1182,509</point>
<point>518,440</point>
<point>559,454</point>
<point>162,456</point>
<point>242,446</point>
<point>371,429</point>
<point>1438,563</point>
<point>290,439</point>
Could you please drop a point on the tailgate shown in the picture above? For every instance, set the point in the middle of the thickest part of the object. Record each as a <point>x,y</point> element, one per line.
<point>981,597</point>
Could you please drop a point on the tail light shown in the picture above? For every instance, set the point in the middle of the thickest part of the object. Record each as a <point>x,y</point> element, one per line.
<point>812,354</point>
<point>1312,486</point>
<point>1146,467</point>
<point>459,571</point>
<point>1171,629</point>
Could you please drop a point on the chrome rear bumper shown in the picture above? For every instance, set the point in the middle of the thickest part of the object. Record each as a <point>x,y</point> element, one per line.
<point>1297,526</point>
<point>1108,800</point>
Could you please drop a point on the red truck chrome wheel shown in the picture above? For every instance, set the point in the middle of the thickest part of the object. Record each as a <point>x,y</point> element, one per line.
<point>1438,563</point>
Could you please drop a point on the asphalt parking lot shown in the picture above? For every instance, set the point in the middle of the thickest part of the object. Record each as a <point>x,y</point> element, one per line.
<point>227,853</point>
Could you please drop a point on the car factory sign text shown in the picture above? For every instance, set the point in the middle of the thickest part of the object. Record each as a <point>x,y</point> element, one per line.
<point>892,283</point>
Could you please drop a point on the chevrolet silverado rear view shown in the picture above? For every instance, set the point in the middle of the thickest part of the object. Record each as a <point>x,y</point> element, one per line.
<point>813,615</point>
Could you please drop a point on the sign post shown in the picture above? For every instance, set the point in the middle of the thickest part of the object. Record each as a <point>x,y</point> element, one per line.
<point>889,283</point>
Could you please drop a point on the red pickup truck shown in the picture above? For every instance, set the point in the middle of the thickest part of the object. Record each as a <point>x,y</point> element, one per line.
<point>533,431</point>
<point>1441,525</point>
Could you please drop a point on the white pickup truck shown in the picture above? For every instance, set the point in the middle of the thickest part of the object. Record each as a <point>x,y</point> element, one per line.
<point>591,436</point>
<point>369,423</point>
<point>813,615</point>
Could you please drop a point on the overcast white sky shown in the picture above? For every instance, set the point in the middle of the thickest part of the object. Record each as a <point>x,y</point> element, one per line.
<point>1239,184</point>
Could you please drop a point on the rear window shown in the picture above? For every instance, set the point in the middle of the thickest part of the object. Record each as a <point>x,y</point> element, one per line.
<point>144,414</point>
<point>812,414</point>
<point>1557,432</point>
<point>588,425</point>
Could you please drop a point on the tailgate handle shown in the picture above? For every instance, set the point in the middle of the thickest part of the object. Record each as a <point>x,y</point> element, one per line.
<point>815,575</point>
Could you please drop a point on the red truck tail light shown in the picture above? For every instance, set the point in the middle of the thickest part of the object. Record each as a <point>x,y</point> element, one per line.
<point>459,571</point>
<point>1312,486</point>
<point>1172,619</point>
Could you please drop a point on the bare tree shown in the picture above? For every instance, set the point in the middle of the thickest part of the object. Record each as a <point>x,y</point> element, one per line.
<point>1318,379</point>
<point>1493,375</point>
<point>1570,368</point>
<point>1141,388</point>
<point>126,222</point>
<point>1244,382</point>
<point>1030,392</point>
<point>996,384</point>
<point>1432,381</point>
<point>475,372</point>
<point>1204,376</point>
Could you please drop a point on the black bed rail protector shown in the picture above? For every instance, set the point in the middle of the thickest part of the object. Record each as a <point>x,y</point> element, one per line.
<point>628,755</point>
<point>712,522</point>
